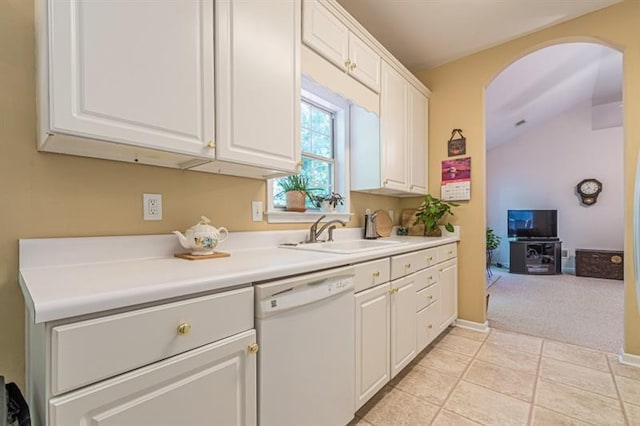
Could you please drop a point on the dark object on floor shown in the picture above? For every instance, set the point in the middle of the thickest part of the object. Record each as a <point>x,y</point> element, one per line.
<point>13,408</point>
<point>499,265</point>
<point>600,264</point>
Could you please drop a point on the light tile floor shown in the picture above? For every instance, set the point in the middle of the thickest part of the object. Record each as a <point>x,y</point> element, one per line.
<point>502,378</point>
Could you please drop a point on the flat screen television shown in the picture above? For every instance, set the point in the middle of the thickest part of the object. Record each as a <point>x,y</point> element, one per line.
<point>532,224</point>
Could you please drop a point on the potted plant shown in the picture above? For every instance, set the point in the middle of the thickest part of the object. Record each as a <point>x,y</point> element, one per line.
<point>296,189</point>
<point>328,202</point>
<point>431,212</point>
<point>493,241</point>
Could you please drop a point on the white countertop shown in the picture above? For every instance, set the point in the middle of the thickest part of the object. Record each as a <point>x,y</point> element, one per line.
<point>67,277</point>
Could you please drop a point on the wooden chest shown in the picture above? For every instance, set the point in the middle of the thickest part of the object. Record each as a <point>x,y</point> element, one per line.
<point>600,264</point>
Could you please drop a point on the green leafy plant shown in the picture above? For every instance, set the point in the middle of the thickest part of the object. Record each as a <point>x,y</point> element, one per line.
<point>333,199</point>
<point>493,241</point>
<point>431,212</point>
<point>297,183</point>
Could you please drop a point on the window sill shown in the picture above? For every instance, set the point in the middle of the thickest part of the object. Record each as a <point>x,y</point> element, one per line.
<point>281,216</point>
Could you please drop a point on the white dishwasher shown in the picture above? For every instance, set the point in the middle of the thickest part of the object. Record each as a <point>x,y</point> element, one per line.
<point>306,363</point>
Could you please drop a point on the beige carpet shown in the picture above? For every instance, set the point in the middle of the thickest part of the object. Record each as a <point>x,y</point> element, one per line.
<point>582,311</point>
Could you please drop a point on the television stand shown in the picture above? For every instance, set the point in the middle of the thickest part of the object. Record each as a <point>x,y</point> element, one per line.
<point>535,257</point>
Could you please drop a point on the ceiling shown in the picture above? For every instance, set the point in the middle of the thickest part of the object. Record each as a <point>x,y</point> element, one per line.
<point>426,33</point>
<point>547,82</point>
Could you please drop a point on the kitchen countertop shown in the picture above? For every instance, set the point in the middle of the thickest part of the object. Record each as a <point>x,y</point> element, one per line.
<point>67,277</point>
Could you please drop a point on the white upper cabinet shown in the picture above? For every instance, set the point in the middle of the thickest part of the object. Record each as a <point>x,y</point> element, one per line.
<point>393,130</point>
<point>134,81</point>
<point>395,161</point>
<point>139,74</point>
<point>418,141</point>
<point>258,85</point>
<point>364,63</point>
<point>326,34</point>
<point>322,31</point>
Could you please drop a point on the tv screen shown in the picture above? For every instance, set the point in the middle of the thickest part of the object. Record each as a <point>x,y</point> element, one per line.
<point>532,224</point>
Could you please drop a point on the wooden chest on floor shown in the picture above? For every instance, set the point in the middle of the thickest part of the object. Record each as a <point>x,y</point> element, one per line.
<point>600,264</point>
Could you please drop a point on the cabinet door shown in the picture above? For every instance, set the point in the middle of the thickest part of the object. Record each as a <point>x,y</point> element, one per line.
<point>372,342</point>
<point>258,83</point>
<point>427,325</point>
<point>365,63</point>
<point>448,293</point>
<point>324,33</point>
<point>214,384</point>
<point>135,73</point>
<point>393,129</point>
<point>403,323</point>
<point>418,110</point>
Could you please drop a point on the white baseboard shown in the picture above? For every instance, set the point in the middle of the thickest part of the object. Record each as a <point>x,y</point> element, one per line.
<point>629,359</point>
<point>483,327</point>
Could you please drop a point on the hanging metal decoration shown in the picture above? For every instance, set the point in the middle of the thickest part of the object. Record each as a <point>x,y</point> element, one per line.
<point>457,146</point>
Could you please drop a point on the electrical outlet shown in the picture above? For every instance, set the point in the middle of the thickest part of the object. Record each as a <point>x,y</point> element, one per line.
<point>152,206</point>
<point>256,211</point>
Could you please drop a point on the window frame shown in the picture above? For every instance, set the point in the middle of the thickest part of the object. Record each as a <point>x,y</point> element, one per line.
<point>323,98</point>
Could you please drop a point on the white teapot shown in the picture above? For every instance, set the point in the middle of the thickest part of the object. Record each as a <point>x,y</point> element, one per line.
<point>202,238</point>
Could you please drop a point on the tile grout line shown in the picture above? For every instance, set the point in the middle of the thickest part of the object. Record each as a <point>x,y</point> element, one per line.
<point>563,384</point>
<point>473,358</point>
<point>620,400</point>
<point>535,384</point>
<point>513,348</point>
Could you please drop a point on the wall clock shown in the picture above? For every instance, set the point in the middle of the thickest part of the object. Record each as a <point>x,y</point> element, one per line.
<point>588,190</point>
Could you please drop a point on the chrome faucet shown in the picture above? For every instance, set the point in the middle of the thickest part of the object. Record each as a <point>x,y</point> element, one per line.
<point>331,225</point>
<point>314,233</point>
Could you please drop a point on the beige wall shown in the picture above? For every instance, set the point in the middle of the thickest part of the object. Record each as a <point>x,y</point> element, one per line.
<point>50,195</point>
<point>457,101</point>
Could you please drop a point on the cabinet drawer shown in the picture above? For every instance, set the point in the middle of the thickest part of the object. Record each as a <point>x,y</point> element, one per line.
<point>426,277</point>
<point>427,296</point>
<point>214,384</point>
<point>409,263</point>
<point>87,351</point>
<point>370,274</point>
<point>427,325</point>
<point>447,251</point>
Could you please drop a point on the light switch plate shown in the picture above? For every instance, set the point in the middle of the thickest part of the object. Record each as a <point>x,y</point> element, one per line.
<point>256,211</point>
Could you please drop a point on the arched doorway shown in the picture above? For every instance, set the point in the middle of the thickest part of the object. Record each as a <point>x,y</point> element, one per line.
<point>554,118</point>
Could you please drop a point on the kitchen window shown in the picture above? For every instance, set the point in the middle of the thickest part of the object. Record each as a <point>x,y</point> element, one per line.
<point>323,136</point>
<point>318,162</point>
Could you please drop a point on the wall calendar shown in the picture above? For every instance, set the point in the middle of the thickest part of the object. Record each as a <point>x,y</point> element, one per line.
<point>456,179</point>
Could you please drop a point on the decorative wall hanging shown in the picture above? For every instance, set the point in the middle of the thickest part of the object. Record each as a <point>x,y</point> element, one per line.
<point>456,146</point>
<point>456,179</point>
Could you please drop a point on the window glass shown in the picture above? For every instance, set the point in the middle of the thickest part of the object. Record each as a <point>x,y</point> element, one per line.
<point>317,143</point>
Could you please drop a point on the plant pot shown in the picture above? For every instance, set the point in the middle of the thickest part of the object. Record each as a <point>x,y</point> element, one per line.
<point>326,207</point>
<point>295,201</point>
<point>433,232</point>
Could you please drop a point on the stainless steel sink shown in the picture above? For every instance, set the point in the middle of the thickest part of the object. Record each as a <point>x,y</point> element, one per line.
<point>345,247</point>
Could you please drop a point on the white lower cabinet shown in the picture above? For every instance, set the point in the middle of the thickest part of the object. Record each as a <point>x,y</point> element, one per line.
<point>396,320</point>
<point>214,384</point>
<point>373,342</point>
<point>186,362</point>
<point>427,325</point>
<point>448,278</point>
<point>403,320</point>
